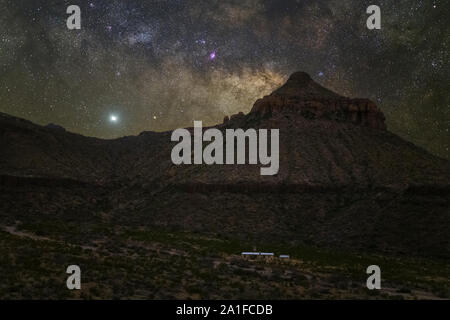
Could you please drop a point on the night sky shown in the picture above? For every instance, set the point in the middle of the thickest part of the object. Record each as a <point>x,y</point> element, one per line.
<point>140,65</point>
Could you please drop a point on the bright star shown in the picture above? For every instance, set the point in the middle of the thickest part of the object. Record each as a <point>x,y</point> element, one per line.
<point>113,118</point>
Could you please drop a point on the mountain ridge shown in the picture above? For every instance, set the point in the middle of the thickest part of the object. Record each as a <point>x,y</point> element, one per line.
<point>348,149</point>
<point>343,182</point>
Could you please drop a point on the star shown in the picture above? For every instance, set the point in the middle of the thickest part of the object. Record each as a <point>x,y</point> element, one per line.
<point>113,118</point>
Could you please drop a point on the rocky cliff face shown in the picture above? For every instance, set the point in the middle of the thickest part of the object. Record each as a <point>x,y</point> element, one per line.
<point>302,95</point>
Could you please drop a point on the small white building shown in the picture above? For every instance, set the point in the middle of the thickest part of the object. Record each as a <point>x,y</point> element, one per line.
<point>250,254</point>
<point>267,255</point>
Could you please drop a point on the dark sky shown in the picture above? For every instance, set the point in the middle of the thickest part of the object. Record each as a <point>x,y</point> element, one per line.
<point>159,65</point>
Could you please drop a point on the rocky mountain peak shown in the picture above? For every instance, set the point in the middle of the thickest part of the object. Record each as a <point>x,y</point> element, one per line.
<point>301,86</point>
<point>302,95</point>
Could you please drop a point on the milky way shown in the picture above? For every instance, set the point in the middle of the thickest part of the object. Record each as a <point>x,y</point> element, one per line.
<point>158,65</point>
